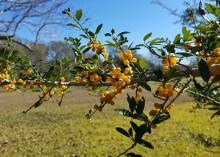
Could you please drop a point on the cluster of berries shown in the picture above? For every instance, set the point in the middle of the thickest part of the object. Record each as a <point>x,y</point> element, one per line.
<point>214,62</point>
<point>98,48</point>
<point>127,57</point>
<point>168,61</point>
<point>165,90</point>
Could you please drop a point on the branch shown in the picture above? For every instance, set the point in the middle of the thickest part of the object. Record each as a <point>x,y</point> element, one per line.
<point>131,147</point>
<point>172,11</point>
<point>203,96</point>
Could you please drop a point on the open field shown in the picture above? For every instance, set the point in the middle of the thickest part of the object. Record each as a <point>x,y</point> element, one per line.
<point>55,131</point>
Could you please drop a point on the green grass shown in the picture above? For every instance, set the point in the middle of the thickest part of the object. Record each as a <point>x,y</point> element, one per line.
<point>64,131</point>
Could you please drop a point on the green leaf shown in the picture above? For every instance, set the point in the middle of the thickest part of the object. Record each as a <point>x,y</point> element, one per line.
<point>86,50</point>
<point>204,70</point>
<point>109,43</point>
<point>213,107</point>
<point>78,68</point>
<point>142,129</point>
<point>140,106</point>
<point>130,131</point>
<point>203,28</point>
<point>78,14</point>
<point>159,74</point>
<point>215,114</point>
<point>197,85</point>
<point>134,126</point>
<point>131,154</point>
<point>186,34</point>
<point>177,39</point>
<point>184,54</point>
<point>122,131</point>
<point>122,33</point>
<point>142,64</point>
<point>106,62</point>
<point>73,25</point>
<point>145,86</point>
<point>146,144</point>
<point>161,118</point>
<point>113,31</point>
<point>135,48</point>
<point>147,36</point>
<point>91,33</point>
<point>35,90</point>
<point>201,10</point>
<point>154,41</point>
<point>132,103</point>
<point>93,59</point>
<point>123,112</point>
<point>142,117</point>
<point>98,28</point>
<point>84,36</point>
<point>212,9</point>
<point>170,48</point>
<point>107,34</point>
<point>59,62</point>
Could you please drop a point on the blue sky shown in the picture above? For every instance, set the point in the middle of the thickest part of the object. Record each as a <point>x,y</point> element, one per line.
<point>139,17</point>
<point>136,16</point>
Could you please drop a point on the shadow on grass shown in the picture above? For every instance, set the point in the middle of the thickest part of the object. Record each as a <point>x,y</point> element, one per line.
<point>206,141</point>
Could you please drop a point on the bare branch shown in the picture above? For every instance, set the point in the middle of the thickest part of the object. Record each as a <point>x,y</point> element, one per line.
<point>35,14</point>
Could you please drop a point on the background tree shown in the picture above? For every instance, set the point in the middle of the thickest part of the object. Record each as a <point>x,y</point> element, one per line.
<point>31,16</point>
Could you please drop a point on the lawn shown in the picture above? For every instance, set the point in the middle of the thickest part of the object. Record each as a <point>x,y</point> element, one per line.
<point>64,131</point>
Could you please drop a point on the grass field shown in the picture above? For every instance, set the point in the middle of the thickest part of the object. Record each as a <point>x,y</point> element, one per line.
<point>64,131</point>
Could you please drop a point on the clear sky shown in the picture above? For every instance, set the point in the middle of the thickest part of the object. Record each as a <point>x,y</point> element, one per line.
<point>136,16</point>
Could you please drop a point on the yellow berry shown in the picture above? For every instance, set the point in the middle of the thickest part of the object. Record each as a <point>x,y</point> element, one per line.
<point>129,54</point>
<point>62,79</point>
<point>52,93</point>
<point>134,60</point>
<point>63,87</point>
<point>29,71</point>
<point>126,62</point>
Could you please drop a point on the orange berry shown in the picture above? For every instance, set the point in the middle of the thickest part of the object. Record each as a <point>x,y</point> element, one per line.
<point>165,68</point>
<point>217,51</point>
<point>165,61</point>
